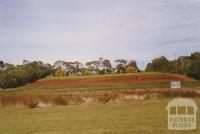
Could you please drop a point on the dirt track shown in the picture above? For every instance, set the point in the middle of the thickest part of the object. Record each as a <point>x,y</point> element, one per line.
<point>109,80</point>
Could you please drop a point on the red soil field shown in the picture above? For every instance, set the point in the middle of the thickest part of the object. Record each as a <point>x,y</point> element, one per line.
<point>109,80</point>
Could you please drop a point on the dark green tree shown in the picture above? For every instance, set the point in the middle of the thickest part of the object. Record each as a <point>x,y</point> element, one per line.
<point>194,70</point>
<point>13,76</point>
<point>160,64</point>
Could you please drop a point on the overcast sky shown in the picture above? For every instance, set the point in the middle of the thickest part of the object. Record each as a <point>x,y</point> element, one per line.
<point>84,30</point>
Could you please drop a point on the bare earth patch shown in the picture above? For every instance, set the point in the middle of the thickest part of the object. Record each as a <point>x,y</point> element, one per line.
<point>110,80</point>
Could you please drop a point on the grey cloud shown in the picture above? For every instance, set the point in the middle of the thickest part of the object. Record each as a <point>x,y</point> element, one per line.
<point>83,30</point>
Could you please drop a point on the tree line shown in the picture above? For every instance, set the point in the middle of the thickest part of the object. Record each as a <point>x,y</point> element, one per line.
<point>13,76</point>
<point>16,75</point>
<point>100,66</point>
<point>188,65</point>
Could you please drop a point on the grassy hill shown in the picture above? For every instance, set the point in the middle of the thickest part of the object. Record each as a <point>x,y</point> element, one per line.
<point>120,104</point>
<point>110,82</point>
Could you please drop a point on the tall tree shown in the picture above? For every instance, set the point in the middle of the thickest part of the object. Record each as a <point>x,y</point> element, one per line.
<point>2,65</point>
<point>194,70</point>
<point>121,65</point>
<point>160,64</point>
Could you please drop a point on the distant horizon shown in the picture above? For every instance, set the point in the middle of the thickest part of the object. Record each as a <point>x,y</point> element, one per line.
<point>112,61</point>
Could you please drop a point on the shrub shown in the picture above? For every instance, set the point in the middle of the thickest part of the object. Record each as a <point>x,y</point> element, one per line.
<point>60,72</point>
<point>32,104</point>
<point>78,100</point>
<point>131,69</point>
<point>103,99</point>
<point>59,100</point>
<point>87,72</point>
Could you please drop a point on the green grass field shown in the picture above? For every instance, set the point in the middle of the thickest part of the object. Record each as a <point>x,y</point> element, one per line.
<point>132,117</point>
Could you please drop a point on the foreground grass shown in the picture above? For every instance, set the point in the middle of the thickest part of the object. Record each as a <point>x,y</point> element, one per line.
<point>132,117</point>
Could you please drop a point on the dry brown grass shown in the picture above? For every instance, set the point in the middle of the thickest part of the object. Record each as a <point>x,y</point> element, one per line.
<point>33,98</point>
